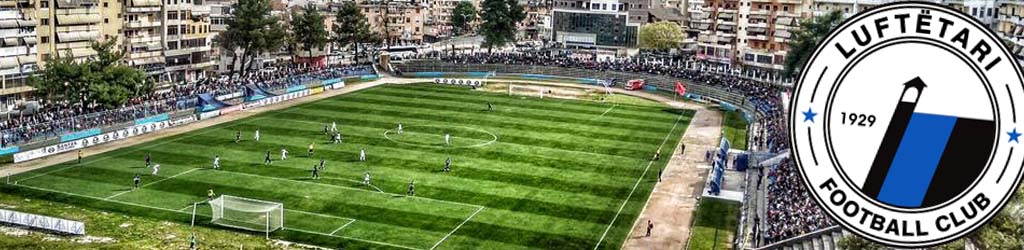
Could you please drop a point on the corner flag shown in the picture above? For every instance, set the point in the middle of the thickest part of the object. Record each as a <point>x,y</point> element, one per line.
<point>680,89</point>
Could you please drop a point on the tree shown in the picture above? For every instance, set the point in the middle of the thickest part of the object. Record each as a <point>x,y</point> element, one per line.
<point>228,43</point>
<point>463,15</point>
<point>499,22</point>
<point>308,29</point>
<point>102,79</point>
<point>805,40</point>
<point>661,36</point>
<point>254,31</point>
<point>350,27</point>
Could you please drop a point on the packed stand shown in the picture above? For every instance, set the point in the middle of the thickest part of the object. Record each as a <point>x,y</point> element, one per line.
<point>60,117</point>
<point>790,211</point>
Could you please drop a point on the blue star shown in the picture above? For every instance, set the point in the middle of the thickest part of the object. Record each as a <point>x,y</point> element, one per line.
<point>1014,135</point>
<point>809,115</point>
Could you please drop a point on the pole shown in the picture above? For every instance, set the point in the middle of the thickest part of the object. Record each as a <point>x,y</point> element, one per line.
<point>268,225</point>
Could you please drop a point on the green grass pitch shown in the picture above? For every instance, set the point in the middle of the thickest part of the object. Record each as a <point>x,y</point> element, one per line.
<point>715,225</point>
<point>533,173</point>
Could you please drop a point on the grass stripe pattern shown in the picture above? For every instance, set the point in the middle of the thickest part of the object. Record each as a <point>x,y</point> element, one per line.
<point>532,173</point>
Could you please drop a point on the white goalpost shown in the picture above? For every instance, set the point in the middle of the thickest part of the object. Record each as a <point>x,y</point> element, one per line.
<point>525,90</point>
<point>247,214</point>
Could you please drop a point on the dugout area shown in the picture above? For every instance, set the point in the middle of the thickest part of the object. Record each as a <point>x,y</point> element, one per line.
<point>547,173</point>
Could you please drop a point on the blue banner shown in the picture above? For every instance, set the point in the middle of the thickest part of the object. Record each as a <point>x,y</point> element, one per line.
<point>369,77</point>
<point>537,76</point>
<point>79,135</point>
<point>727,106</point>
<point>296,88</point>
<point>9,150</point>
<point>332,81</point>
<point>427,74</point>
<point>477,74</point>
<point>152,119</point>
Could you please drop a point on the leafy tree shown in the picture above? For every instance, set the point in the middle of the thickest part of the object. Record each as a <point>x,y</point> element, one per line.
<point>102,79</point>
<point>228,43</point>
<point>350,27</point>
<point>255,31</point>
<point>463,15</point>
<point>806,38</point>
<point>661,35</point>
<point>499,22</point>
<point>1006,229</point>
<point>308,29</point>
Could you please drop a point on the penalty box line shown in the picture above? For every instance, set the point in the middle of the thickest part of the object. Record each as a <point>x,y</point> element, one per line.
<point>635,185</point>
<point>152,183</point>
<point>132,150</point>
<point>457,228</point>
<point>351,188</point>
<point>187,213</point>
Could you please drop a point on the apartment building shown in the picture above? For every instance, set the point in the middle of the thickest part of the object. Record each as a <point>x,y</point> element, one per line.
<point>747,33</point>
<point>608,25</point>
<point>187,51</point>
<point>142,35</point>
<point>537,24</point>
<point>1010,26</point>
<point>18,49</point>
<point>984,11</point>
<point>398,21</point>
<point>437,22</point>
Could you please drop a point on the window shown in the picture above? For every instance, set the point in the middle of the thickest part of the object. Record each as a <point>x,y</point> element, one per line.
<point>106,20</point>
<point>989,11</point>
<point>44,39</point>
<point>44,4</point>
<point>974,11</point>
<point>44,21</point>
<point>106,4</point>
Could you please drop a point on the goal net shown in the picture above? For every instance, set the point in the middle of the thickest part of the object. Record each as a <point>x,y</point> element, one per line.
<point>525,90</point>
<point>247,214</point>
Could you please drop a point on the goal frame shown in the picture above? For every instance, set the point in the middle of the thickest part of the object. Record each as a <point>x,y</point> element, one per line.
<point>219,213</point>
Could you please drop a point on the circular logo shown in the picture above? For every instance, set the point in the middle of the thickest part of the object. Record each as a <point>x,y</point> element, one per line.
<point>904,124</point>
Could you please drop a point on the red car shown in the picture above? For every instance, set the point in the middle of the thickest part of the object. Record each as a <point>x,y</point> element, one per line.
<point>634,84</point>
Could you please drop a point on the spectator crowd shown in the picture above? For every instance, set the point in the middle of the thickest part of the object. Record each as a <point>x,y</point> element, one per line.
<point>57,117</point>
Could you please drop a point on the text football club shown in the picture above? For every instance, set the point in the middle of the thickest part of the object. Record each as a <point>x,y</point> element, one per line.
<point>904,124</point>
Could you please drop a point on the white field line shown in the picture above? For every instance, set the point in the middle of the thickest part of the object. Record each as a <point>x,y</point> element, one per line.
<point>609,109</point>
<point>342,227</point>
<point>179,211</point>
<point>152,183</point>
<point>638,180</point>
<point>349,188</point>
<point>353,181</point>
<point>355,239</point>
<point>456,228</point>
<point>134,149</point>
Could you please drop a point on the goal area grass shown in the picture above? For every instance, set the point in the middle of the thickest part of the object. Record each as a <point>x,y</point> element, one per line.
<point>531,173</point>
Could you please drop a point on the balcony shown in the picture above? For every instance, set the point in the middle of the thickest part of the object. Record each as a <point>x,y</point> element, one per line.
<point>142,55</point>
<point>186,51</point>
<point>142,24</point>
<point>143,39</point>
<point>190,66</point>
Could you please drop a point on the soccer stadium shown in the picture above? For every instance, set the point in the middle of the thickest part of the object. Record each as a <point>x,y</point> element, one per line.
<point>482,124</point>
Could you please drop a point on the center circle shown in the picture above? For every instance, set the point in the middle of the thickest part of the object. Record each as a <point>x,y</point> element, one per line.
<point>432,136</point>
